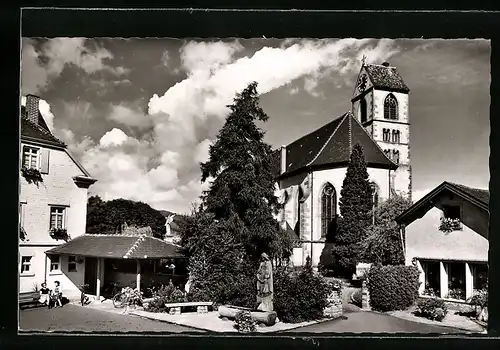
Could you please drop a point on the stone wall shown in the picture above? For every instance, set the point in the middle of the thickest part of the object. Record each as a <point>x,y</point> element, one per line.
<point>335,308</point>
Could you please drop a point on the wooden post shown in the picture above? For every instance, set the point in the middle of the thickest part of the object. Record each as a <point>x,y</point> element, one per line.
<point>443,280</point>
<point>98,284</point>
<point>469,288</point>
<point>138,274</point>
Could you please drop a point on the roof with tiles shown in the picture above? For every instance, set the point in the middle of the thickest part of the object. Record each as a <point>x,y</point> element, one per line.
<point>118,247</point>
<point>477,196</point>
<point>332,145</point>
<point>385,77</point>
<point>37,132</point>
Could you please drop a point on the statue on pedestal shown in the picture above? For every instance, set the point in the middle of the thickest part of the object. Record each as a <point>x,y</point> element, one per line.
<point>265,284</point>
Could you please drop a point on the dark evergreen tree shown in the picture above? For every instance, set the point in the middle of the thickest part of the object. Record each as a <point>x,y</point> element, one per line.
<point>234,224</point>
<point>355,205</point>
<point>384,243</point>
<point>243,187</point>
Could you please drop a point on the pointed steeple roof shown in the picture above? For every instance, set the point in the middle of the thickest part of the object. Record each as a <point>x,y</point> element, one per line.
<point>331,145</point>
<point>383,76</point>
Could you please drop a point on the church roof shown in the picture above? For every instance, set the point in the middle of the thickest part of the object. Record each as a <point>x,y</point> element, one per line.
<point>331,145</point>
<point>385,77</point>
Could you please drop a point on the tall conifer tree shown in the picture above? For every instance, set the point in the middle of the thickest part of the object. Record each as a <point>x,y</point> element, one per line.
<point>356,203</point>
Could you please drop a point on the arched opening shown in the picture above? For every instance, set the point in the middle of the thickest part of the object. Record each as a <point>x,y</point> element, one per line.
<point>299,227</point>
<point>375,197</point>
<point>362,110</point>
<point>328,209</point>
<point>390,107</point>
<point>284,201</point>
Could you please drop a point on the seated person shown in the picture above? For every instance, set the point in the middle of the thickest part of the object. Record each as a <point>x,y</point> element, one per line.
<point>44,294</point>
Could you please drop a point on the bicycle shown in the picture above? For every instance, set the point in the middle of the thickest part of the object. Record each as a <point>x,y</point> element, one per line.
<point>84,298</point>
<point>110,291</point>
<point>127,297</point>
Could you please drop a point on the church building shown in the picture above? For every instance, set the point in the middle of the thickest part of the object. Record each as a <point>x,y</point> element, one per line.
<point>312,169</point>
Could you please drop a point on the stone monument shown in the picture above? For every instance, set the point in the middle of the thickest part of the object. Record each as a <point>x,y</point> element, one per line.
<point>265,289</point>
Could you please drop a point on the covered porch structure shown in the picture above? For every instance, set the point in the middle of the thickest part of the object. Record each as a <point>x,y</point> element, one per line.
<point>127,260</point>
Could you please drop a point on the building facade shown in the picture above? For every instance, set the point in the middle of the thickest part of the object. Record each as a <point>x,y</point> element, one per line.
<point>52,203</point>
<point>312,169</point>
<point>446,237</point>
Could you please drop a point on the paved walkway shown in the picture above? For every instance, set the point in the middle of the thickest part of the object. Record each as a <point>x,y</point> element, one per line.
<point>371,322</point>
<point>78,318</point>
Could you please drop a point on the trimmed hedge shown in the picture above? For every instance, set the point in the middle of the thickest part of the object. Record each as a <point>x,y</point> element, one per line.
<point>393,287</point>
<point>301,295</point>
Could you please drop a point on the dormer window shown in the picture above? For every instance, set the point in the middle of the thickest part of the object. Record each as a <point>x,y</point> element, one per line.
<point>391,107</point>
<point>31,157</point>
<point>452,212</point>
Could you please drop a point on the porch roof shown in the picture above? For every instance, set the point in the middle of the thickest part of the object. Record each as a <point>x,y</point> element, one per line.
<point>118,247</point>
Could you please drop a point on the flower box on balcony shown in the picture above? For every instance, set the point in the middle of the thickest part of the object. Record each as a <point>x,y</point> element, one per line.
<point>59,233</point>
<point>449,225</point>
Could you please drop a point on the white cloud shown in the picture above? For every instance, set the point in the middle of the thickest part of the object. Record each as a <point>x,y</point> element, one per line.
<point>115,137</point>
<point>201,152</point>
<point>130,117</point>
<point>58,53</point>
<point>165,57</point>
<point>207,56</point>
<point>162,169</point>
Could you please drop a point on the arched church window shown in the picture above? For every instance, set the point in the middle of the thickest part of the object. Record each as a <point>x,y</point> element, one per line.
<point>362,110</point>
<point>328,208</point>
<point>387,153</point>
<point>300,209</point>
<point>395,136</point>
<point>284,201</point>
<point>375,193</point>
<point>386,134</point>
<point>395,156</point>
<point>390,107</point>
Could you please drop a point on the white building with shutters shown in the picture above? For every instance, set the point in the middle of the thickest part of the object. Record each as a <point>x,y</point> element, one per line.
<point>52,203</point>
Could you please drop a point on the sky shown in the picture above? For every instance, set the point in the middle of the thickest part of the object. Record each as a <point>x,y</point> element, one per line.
<point>140,114</point>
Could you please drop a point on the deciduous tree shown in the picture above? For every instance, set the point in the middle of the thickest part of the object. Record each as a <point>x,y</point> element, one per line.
<point>105,217</point>
<point>384,244</point>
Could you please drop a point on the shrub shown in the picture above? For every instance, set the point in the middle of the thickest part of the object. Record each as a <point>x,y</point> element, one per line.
<point>357,297</point>
<point>393,287</point>
<point>432,309</point>
<point>165,295</point>
<point>244,322</point>
<point>480,298</point>
<point>300,295</point>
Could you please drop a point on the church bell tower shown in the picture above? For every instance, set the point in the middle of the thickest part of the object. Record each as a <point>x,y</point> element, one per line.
<point>380,103</point>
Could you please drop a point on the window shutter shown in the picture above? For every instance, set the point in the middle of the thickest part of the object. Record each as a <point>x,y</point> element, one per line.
<point>44,167</point>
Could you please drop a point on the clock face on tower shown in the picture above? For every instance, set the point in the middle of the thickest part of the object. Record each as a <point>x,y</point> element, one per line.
<point>363,81</point>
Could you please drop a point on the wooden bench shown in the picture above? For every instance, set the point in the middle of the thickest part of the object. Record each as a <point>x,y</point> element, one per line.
<point>29,298</point>
<point>201,307</point>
